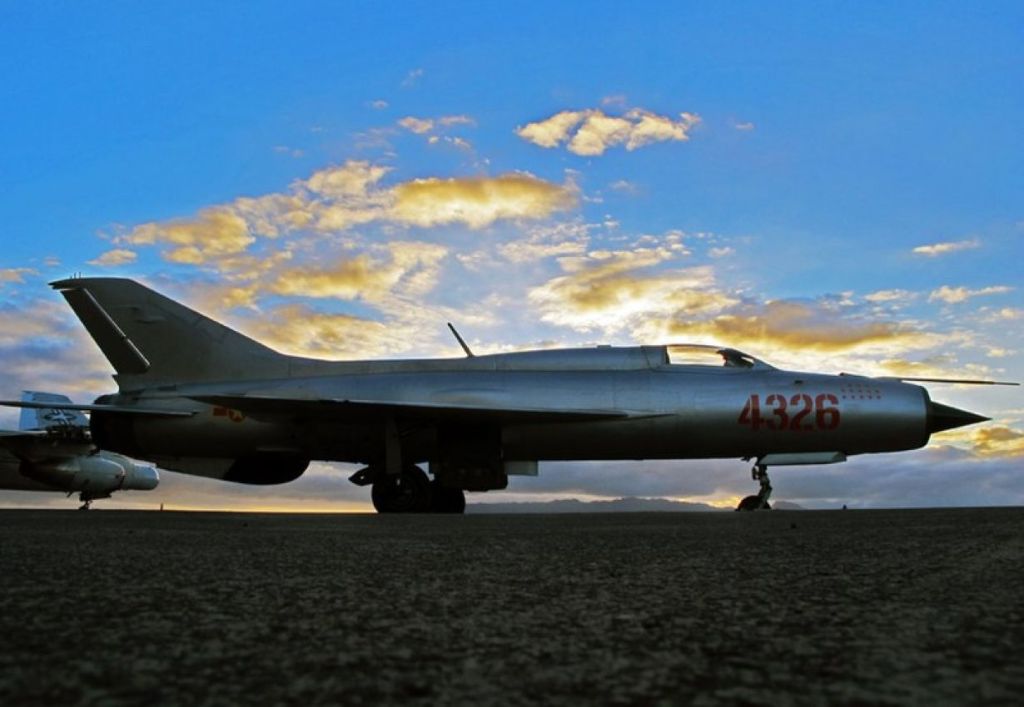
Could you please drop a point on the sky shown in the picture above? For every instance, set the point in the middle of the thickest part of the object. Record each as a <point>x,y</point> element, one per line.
<point>830,186</point>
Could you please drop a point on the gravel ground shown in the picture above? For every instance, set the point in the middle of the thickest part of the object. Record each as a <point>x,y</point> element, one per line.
<point>114,608</point>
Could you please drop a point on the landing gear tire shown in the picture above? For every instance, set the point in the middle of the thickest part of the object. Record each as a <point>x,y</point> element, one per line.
<point>406,492</point>
<point>753,503</point>
<point>759,502</point>
<point>446,500</point>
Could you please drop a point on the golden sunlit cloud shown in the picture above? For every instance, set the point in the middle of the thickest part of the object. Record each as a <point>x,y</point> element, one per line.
<point>610,290</point>
<point>352,180</point>
<point>417,125</point>
<point>954,295</point>
<point>411,265</point>
<point>553,130</point>
<point>796,327</point>
<point>1006,314</point>
<point>591,132</point>
<point>997,442</point>
<point>216,231</point>
<point>935,249</point>
<point>117,256</point>
<point>939,366</point>
<point>339,198</point>
<point>479,201</point>
<point>298,330</point>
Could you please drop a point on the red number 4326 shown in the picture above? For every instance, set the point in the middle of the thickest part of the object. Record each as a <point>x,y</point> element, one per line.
<point>793,413</point>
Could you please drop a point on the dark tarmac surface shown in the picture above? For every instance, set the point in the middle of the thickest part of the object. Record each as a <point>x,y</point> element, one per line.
<point>111,607</point>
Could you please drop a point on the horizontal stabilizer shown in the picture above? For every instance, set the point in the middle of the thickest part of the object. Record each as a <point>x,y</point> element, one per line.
<point>45,416</point>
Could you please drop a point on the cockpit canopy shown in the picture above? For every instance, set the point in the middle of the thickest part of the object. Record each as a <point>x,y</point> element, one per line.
<point>704,355</point>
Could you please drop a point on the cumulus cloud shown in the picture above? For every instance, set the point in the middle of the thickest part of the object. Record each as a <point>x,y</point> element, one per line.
<point>302,331</point>
<point>117,256</point>
<point>955,295</point>
<point>216,231</point>
<point>643,293</point>
<point>352,180</point>
<point>551,131</point>
<point>610,290</point>
<point>799,326</point>
<point>562,239</point>
<point>424,126</point>
<point>591,132</point>
<point>1006,314</point>
<point>411,265</point>
<point>997,442</point>
<point>935,249</point>
<point>416,125</point>
<point>478,201</point>
<point>336,199</point>
<point>943,365</point>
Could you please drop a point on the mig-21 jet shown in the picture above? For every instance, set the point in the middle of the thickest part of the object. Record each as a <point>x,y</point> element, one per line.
<point>52,451</point>
<point>197,397</point>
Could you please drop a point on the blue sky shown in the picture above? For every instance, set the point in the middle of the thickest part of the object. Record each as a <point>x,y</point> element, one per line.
<point>832,186</point>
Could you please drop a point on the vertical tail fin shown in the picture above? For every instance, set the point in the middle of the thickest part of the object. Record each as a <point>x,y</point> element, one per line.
<point>47,418</point>
<point>150,339</point>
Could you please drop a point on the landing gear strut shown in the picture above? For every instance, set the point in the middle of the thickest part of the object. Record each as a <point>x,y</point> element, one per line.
<point>758,473</point>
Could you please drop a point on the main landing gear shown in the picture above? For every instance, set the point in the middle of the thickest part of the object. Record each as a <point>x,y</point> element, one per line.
<point>86,499</point>
<point>410,491</point>
<point>759,502</point>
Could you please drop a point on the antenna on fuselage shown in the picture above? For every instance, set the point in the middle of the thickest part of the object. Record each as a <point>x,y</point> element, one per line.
<point>462,343</point>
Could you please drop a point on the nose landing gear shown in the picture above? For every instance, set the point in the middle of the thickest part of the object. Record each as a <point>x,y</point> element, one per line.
<point>758,473</point>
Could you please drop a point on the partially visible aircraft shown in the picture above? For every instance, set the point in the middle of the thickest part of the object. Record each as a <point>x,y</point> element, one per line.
<point>52,451</point>
<point>197,397</point>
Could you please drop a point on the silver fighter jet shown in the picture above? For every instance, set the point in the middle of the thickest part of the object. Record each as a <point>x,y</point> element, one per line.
<point>197,397</point>
<point>51,451</point>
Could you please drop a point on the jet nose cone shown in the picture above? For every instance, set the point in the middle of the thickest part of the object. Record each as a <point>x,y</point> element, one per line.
<point>943,417</point>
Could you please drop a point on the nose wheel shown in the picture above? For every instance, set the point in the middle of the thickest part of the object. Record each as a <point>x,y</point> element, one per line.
<point>759,502</point>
